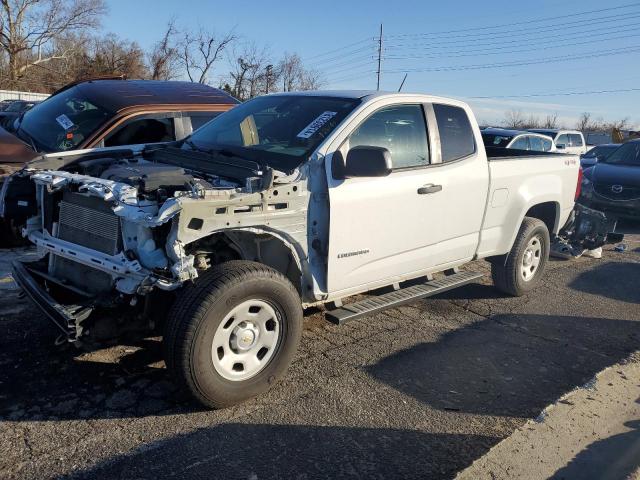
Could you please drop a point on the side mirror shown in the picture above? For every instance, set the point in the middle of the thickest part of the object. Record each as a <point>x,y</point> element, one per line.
<point>561,146</point>
<point>362,161</point>
<point>600,158</point>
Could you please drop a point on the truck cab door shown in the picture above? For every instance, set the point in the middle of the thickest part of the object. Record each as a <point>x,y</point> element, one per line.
<point>423,215</point>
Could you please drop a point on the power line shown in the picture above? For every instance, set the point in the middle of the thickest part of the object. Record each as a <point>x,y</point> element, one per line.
<point>527,22</point>
<point>339,49</point>
<point>559,94</point>
<point>343,56</point>
<point>368,61</point>
<point>521,33</point>
<point>483,52</point>
<point>597,54</point>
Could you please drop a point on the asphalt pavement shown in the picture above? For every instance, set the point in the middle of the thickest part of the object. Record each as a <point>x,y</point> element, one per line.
<point>419,391</point>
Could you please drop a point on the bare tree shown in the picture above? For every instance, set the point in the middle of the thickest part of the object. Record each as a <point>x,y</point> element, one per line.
<point>163,59</point>
<point>514,119</point>
<point>289,68</point>
<point>199,52</point>
<point>111,55</point>
<point>28,28</point>
<point>246,68</point>
<point>584,122</point>
<point>294,76</point>
<point>550,121</point>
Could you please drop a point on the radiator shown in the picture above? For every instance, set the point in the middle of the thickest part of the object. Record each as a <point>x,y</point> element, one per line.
<point>89,222</point>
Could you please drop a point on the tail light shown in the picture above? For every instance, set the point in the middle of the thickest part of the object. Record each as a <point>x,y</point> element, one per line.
<point>579,185</point>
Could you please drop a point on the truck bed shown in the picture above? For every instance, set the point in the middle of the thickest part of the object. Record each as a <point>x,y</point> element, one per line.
<point>499,153</point>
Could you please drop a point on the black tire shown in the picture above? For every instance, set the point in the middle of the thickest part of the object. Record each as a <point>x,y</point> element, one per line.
<point>506,269</point>
<point>200,309</point>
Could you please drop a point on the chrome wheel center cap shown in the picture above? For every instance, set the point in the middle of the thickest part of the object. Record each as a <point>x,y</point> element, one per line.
<point>244,336</point>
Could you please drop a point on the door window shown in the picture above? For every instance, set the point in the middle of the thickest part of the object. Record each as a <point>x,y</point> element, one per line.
<point>142,130</point>
<point>456,134</point>
<point>563,140</point>
<point>521,143</point>
<point>401,129</point>
<point>548,145</point>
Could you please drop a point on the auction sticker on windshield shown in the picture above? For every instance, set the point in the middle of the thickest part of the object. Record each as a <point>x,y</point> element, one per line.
<point>316,125</point>
<point>64,121</point>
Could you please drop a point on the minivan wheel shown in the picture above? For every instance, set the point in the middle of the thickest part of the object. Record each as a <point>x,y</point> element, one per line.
<point>522,268</point>
<point>233,333</point>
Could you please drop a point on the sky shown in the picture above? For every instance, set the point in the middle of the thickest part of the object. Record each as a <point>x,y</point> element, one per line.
<point>455,48</point>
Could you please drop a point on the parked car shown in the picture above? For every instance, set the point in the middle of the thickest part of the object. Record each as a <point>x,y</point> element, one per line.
<point>13,110</point>
<point>598,153</point>
<point>613,184</point>
<point>287,201</point>
<point>109,112</point>
<point>5,103</point>
<point>518,140</point>
<point>567,141</point>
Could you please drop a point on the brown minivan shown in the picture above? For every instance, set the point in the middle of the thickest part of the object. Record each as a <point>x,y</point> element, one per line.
<point>109,112</point>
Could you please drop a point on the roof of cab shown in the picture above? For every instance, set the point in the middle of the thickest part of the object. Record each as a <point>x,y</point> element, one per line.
<point>116,95</point>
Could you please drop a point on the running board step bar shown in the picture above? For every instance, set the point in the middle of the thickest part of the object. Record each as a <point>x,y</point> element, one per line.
<point>351,311</point>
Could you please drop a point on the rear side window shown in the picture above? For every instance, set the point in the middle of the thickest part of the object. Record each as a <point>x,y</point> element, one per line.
<point>142,130</point>
<point>198,120</point>
<point>537,144</point>
<point>576,140</point>
<point>456,134</point>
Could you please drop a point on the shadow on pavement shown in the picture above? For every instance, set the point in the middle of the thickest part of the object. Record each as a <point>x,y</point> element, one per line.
<point>613,458</point>
<point>473,291</point>
<point>239,451</point>
<point>509,365</point>
<point>604,280</point>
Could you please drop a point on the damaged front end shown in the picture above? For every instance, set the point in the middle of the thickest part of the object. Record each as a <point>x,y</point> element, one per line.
<point>111,237</point>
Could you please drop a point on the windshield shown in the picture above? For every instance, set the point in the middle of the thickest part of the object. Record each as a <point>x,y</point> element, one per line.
<point>494,140</point>
<point>280,131</point>
<point>627,154</point>
<point>63,121</point>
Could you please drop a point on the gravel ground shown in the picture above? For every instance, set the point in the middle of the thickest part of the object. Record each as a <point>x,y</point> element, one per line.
<point>419,391</point>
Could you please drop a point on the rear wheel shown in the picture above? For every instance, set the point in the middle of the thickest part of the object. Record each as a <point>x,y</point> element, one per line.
<point>522,268</point>
<point>233,334</point>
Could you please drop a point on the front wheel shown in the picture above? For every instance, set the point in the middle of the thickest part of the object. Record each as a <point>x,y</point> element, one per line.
<point>521,270</point>
<point>233,334</point>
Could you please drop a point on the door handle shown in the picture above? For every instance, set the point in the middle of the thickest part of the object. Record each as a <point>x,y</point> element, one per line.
<point>429,188</point>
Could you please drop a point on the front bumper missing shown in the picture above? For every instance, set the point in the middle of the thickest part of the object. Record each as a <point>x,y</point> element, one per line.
<point>130,276</point>
<point>68,318</point>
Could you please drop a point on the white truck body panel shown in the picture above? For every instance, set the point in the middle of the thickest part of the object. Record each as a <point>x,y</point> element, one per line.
<point>382,232</point>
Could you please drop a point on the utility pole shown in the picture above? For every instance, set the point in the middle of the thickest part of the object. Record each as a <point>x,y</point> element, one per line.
<point>269,69</point>
<point>379,57</point>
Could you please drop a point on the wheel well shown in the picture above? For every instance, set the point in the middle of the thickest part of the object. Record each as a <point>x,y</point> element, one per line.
<point>244,245</point>
<point>547,212</point>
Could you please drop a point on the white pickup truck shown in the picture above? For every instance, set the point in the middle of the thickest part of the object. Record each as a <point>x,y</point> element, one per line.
<point>284,202</point>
